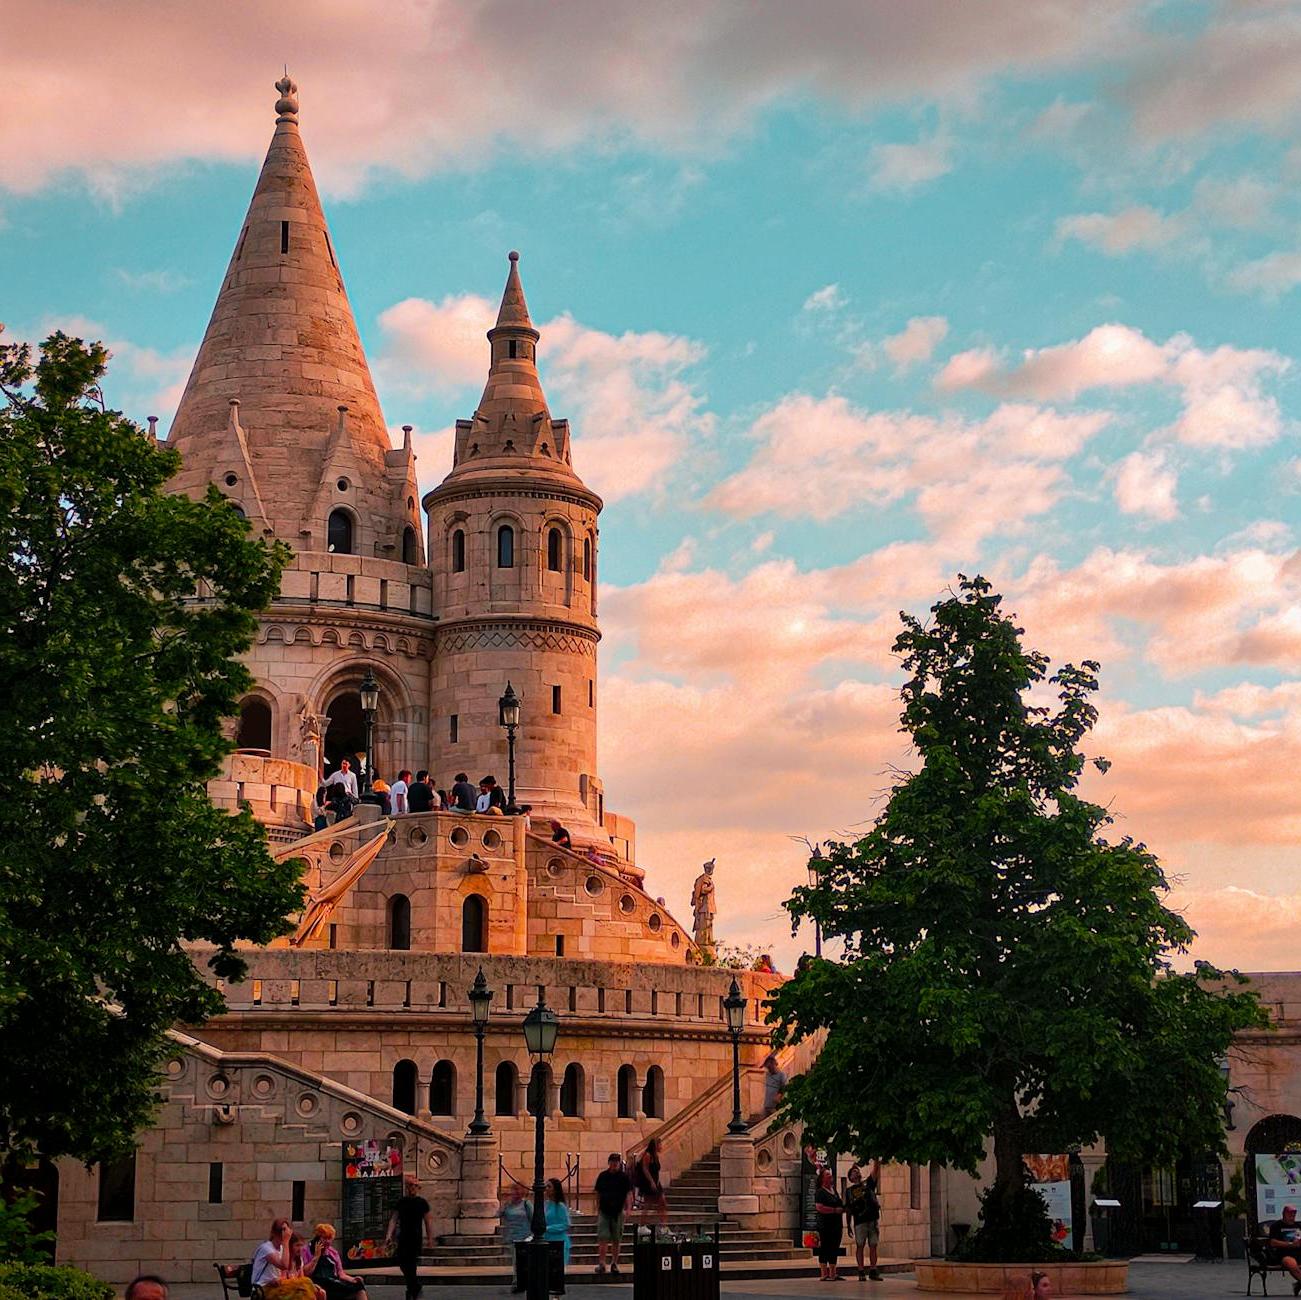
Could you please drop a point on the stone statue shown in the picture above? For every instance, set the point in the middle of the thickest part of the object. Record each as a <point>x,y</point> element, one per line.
<point>311,734</point>
<point>702,906</point>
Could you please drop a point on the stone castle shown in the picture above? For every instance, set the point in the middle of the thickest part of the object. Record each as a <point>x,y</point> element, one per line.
<point>358,1025</point>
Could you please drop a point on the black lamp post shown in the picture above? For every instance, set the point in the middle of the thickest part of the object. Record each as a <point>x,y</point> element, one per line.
<point>508,717</point>
<point>815,880</point>
<point>480,997</point>
<point>734,1008</point>
<point>541,1027</point>
<point>369,707</point>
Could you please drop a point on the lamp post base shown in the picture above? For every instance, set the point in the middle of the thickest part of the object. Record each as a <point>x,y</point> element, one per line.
<point>542,1265</point>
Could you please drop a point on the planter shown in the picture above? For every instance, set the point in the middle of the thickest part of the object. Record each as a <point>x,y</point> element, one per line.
<point>1105,1277</point>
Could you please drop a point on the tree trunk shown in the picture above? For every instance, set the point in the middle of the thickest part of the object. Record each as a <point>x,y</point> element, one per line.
<point>1009,1166</point>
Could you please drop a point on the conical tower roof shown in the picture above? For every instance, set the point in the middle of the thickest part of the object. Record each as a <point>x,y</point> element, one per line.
<point>512,429</point>
<point>283,343</point>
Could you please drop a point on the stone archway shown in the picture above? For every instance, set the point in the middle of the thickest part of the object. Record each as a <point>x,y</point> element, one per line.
<point>345,734</point>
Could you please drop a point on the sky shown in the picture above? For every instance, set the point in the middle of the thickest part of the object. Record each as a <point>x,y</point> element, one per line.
<point>842,301</point>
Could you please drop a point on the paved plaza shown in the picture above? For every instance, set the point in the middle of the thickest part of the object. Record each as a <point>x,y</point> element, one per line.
<point>1161,1280</point>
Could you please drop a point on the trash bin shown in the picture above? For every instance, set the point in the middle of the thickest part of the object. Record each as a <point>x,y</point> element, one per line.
<point>670,1267</point>
<point>555,1266</point>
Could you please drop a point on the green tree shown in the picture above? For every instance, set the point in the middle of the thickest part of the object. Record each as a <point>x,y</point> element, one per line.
<point>1007,969</point>
<point>116,684</point>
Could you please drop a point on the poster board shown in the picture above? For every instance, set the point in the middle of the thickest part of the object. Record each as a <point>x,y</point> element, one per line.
<point>372,1187</point>
<point>1050,1176</point>
<point>1278,1183</point>
<point>812,1161</point>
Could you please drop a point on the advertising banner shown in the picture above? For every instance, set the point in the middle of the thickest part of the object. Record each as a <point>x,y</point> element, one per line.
<point>1278,1183</point>
<point>1050,1176</point>
<point>813,1161</point>
<point>372,1186</point>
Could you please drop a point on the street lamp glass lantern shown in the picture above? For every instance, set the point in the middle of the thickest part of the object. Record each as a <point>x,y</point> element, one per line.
<point>817,864</point>
<point>480,998</point>
<point>541,1026</point>
<point>369,692</point>
<point>508,708</point>
<point>734,1006</point>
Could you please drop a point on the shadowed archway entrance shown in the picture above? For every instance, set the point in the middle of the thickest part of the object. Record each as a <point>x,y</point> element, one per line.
<point>345,737</point>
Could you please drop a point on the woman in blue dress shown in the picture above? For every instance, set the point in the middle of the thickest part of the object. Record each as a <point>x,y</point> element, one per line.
<point>557,1215</point>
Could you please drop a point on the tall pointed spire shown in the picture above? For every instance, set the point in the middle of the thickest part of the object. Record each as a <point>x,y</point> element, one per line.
<point>282,340</point>
<point>514,310</point>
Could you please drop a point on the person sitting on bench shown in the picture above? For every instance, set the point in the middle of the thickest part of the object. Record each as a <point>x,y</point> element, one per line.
<point>1284,1240</point>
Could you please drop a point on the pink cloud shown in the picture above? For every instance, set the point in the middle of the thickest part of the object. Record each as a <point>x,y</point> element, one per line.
<point>1145,485</point>
<point>1121,232</point>
<point>916,342</point>
<point>901,168</point>
<point>664,75</point>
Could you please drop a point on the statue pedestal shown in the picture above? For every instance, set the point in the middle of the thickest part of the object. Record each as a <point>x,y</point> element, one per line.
<point>476,1215</point>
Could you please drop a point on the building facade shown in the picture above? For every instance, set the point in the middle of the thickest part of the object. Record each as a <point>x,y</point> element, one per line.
<point>358,1024</point>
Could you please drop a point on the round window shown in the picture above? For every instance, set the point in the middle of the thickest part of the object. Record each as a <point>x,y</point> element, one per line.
<point>491,840</point>
<point>460,837</point>
<point>417,837</point>
<point>338,852</point>
<point>594,886</point>
<point>343,485</point>
<point>555,867</point>
<point>627,903</point>
<point>675,939</point>
<point>231,480</point>
<point>656,921</point>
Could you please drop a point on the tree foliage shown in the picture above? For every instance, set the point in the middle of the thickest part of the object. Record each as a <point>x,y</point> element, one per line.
<point>1007,968</point>
<point>117,681</point>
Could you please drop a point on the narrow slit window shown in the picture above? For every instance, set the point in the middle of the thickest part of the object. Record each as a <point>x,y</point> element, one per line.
<point>214,1183</point>
<point>555,550</point>
<point>284,236</point>
<point>458,551</point>
<point>514,348</point>
<point>454,728</point>
<point>298,1201</point>
<point>505,547</point>
<point>329,248</point>
<point>555,699</point>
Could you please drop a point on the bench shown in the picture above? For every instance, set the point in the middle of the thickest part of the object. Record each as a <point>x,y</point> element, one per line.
<point>1261,1262</point>
<point>239,1279</point>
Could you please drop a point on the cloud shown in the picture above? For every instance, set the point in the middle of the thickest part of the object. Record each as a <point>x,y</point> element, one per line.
<point>1270,276</point>
<point>1121,232</point>
<point>916,342</point>
<point>634,405</point>
<point>1221,390</point>
<point>901,168</point>
<point>968,479</point>
<point>827,299</point>
<point>157,282</point>
<point>664,76</point>
<point>1145,485</point>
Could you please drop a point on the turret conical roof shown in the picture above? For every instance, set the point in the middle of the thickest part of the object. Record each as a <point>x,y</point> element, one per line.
<point>282,342</point>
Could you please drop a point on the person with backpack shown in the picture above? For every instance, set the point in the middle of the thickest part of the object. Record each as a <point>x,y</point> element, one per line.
<point>863,1212</point>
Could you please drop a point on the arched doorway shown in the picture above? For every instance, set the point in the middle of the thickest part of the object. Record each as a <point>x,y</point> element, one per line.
<point>1266,1142</point>
<point>345,737</point>
<point>405,1080</point>
<point>254,730</point>
<point>474,924</point>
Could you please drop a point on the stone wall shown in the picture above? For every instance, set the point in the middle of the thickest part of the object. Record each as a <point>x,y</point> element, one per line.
<point>268,1125</point>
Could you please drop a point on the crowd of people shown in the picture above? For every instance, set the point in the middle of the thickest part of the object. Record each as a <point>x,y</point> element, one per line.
<point>287,1267</point>
<point>339,793</point>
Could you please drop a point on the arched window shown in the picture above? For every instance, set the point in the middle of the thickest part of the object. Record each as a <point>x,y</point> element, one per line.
<point>627,1089</point>
<point>587,559</point>
<point>404,1087</point>
<point>442,1089</point>
<point>410,555</point>
<point>652,1093</point>
<point>555,549</point>
<point>474,924</point>
<point>506,1089</point>
<point>458,551</point>
<point>254,724</point>
<point>338,535</point>
<point>505,547</point>
<point>399,922</point>
<point>539,1089</point>
<point>571,1090</point>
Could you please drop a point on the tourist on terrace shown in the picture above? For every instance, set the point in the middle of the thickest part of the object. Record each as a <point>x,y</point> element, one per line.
<point>398,791</point>
<point>463,793</point>
<point>320,808</point>
<point>559,835</point>
<point>491,798</point>
<point>831,1211</point>
<point>339,802</point>
<point>410,1224</point>
<point>557,1213</point>
<point>420,796</point>
<point>764,965</point>
<point>345,777</point>
<point>613,1195</point>
<point>1284,1239</point>
<point>380,787</point>
<point>774,1084</point>
<point>325,1268</point>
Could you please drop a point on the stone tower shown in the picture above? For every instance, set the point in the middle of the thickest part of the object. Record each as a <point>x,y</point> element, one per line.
<point>513,551</point>
<point>280,413</point>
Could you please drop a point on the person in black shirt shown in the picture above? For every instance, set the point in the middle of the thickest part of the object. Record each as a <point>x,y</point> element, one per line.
<point>409,1225</point>
<point>464,793</point>
<point>1285,1244</point>
<point>420,794</point>
<point>831,1213</point>
<point>560,835</point>
<point>863,1210</point>
<point>613,1192</point>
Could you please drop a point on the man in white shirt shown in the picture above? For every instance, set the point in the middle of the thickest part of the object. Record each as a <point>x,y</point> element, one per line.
<point>271,1259</point>
<point>345,777</point>
<point>398,790</point>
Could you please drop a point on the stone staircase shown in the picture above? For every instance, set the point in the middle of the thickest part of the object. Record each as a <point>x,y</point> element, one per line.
<point>693,1203</point>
